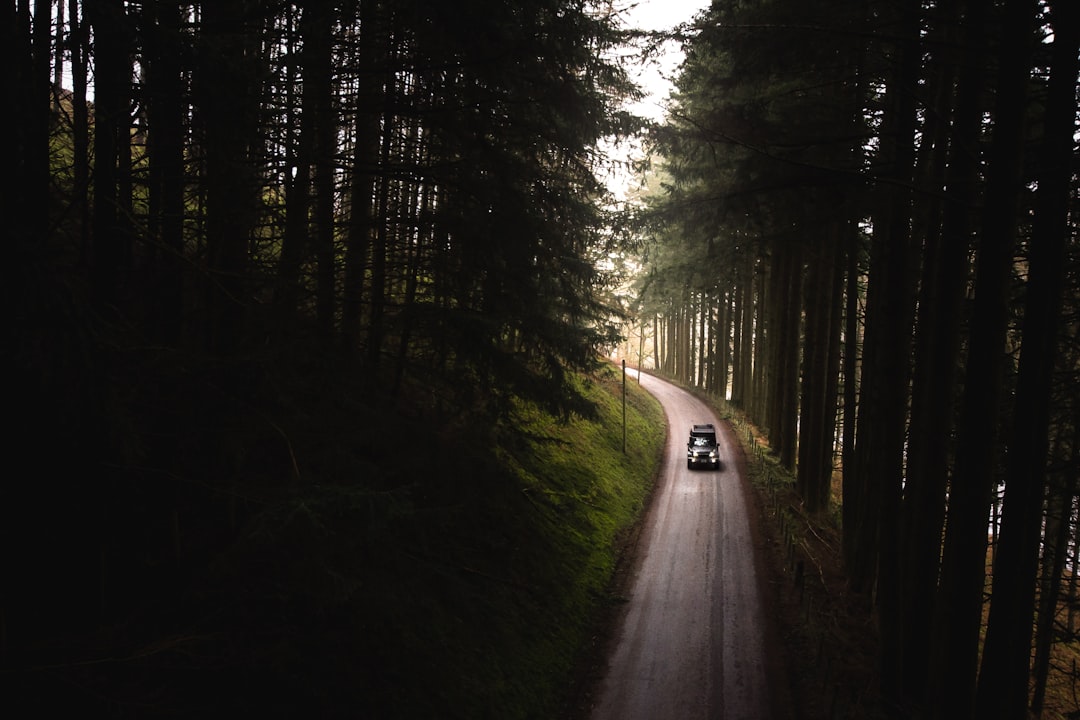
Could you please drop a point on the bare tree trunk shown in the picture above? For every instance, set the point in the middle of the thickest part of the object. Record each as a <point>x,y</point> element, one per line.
<point>724,342</point>
<point>58,39</point>
<point>318,32</point>
<point>656,341</point>
<point>1004,675</point>
<point>420,206</point>
<point>817,407</point>
<point>773,361</point>
<point>888,377</point>
<point>832,389</point>
<point>111,242</point>
<point>851,486</point>
<point>166,150</point>
<point>1055,552</point>
<point>960,593</point>
<point>299,142</point>
<point>756,342</point>
<point>641,351</point>
<point>945,274</point>
<point>226,94</point>
<point>380,233</point>
<point>686,340</point>
<point>672,341</point>
<point>362,190</point>
<point>703,339</point>
<point>80,131</point>
<point>883,392</point>
<point>1074,560</point>
<point>738,379</point>
<point>25,202</point>
<point>787,336</point>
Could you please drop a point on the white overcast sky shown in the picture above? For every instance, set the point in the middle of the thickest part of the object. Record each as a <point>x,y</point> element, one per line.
<point>654,78</point>
<point>659,15</point>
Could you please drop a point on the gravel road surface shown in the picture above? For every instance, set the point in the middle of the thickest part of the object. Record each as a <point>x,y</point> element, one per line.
<point>691,642</point>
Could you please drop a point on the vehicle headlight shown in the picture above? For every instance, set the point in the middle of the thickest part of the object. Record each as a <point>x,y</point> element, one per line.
<point>712,454</point>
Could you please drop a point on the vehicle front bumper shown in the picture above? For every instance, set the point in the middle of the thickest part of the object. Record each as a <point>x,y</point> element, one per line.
<point>704,458</point>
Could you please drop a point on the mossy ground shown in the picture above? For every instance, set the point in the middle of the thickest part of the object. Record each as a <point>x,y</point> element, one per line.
<point>401,569</point>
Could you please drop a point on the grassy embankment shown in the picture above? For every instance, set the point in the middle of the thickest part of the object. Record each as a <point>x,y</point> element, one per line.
<point>464,587</point>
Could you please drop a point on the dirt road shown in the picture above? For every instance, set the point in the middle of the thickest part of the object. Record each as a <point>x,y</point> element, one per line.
<point>691,642</point>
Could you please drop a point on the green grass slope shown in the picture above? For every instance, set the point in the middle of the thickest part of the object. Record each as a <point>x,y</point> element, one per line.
<point>457,578</point>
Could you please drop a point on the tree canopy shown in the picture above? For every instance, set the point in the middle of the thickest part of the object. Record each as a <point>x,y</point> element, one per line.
<point>854,209</point>
<point>262,257</point>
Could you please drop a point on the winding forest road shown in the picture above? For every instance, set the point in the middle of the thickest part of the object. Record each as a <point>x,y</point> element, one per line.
<point>691,642</point>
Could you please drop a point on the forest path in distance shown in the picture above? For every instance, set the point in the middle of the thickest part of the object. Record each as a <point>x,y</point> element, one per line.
<point>693,639</point>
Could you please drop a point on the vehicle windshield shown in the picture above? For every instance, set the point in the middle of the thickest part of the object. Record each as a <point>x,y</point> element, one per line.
<point>701,441</point>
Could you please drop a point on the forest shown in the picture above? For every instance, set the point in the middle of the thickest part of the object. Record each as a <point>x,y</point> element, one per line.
<point>296,286</point>
<point>295,270</point>
<point>861,229</point>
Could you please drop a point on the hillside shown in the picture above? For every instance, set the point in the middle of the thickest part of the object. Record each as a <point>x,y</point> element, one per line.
<point>354,560</point>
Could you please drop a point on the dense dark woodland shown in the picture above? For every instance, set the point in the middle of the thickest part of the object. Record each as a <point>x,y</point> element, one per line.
<point>284,274</point>
<point>867,237</point>
<point>284,277</point>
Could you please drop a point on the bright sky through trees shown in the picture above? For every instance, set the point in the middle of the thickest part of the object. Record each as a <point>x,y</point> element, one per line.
<point>654,75</point>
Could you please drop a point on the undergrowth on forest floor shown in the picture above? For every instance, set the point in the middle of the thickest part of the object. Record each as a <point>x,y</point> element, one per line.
<point>371,561</point>
<point>830,633</point>
<point>468,589</point>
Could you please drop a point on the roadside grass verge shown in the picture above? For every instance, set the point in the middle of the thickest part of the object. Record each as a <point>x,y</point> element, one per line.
<point>831,632</point>
<point>397,584</point>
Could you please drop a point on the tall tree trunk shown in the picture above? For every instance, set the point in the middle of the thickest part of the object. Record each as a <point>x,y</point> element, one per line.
<point>112,73</point>
<point>671,340</point>
<point>874,548</point>
<point>724,342</point>
<point>851,486</point>
<point>708,345</point>
<point>963,569</point>
<point>165,142</point>
<point>817,408</point>
<point>25,202</point>
<point>380,233</point>
<point>299,144</point>
<point>944,280</point>
<point>58,39</point>
<point>39,100</point>
<point>756,342</point>
<point>686,340</point>
<point>656,341</point>
<point>363,184</point>
<point>412,281</point>
<point>703,339</point>
<point>883,392</point>
<point>80,202</point>
<point>832,387</point>
<point>1004,675</point>
<point>226,90</point>
<point>787,335</point>
<point>738,393</point>
<point>326,146</point>
<point>774,360</point>
<point>1056,550</point>
<point>1074,550</point>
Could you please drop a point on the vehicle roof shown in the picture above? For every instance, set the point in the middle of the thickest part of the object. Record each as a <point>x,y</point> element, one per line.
<point>705,428</point>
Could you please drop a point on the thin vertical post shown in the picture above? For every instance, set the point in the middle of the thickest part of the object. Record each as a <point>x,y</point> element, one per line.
<point>624,405</point>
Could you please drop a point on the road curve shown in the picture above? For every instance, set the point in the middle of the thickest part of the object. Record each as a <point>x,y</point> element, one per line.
<point>691,640</point>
